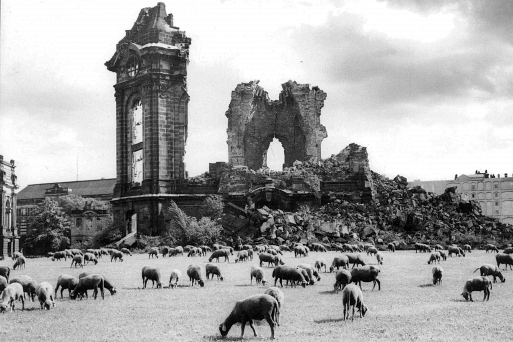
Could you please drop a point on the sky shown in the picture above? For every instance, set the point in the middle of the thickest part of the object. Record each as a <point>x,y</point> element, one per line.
<point>426,86</point>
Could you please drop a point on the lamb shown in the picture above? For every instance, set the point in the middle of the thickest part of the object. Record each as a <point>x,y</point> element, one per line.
<point>288,273</point>
<point>319,263</point>
<point>106,283</point>
<point>44,293</point>
<point>116,255</point>
<point>506,259</point>
<point>270,259</point>
<point>379,258</point>
<point>20,263</point>
<point>355,259</point>
<point>11,293</point>
<point>77,260</point>
<point>153,274</point>
<point>372,250</point>
<point>391,247</point>
<point>467,248</point>
<point>211,269</point>
<point>443,255</point>
<point>491,248</point>
<point>366,274</point>
<point>194,273</point>
<point>5,271</point>
<point>492,270</point>
<point>477,284</point>
<point>256,307</point>
<point>437,275</point>
<point>435,256</point>
<point>220,253</point>
<point>3,283</point>
<point>174,278</point>
<point>311,272</point>
<point>242,256</point>
<point>455,250</point>
<point>340,261</point>
<point>353,296</point>
<point>90,282</point>
<point>342,278</point>
<point>126,251</point>
<point>153,253</point>
<point>29,285</point>
<point>90,257</point>
<point>66,281</point>
<point>259,275</point>
<point>58,256</point>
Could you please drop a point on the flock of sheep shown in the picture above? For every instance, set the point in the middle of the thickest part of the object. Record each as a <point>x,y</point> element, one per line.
<point>258,306</point>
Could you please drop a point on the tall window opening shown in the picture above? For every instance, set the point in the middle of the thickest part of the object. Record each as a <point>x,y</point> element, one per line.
<point>137,144</point>
<point>275,155</point>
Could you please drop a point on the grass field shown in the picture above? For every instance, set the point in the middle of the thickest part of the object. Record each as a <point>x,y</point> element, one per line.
<point>407,307</point>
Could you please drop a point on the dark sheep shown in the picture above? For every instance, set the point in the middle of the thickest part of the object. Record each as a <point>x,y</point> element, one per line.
<point>247,247</point>
<point>19,263</point>
<point>487,270</point>
<point>213,270</point>
<point>3,283</point>
<point>455,250</point>
<point>437,275</point>
<point>477,284</point>
<point>90,282</point>
<point>301,251</point>
<point>467,248</point>
<point>435,256</point>
<point>5,271</point>
<point>340,261</point>
<point>153,274</point>
<point>164,250</point>
<point>256,307</point>
<point>153,253</point>
<point>366,274</point>
<point>355,259</point>
<point>288,273</point>
<point>9,295</point>
<point>66,281</point>
<point>372,250</point>
<point>44,294</point>
<point>194,273</point>
<point>352,296</point>
<point>116,256</point>
<point>420,247</point>
<point>391,247</point>
<point>319,263</point>
<point>126,251</point>
<point>270,259</point>
<point>220,253</point>
<point>259,275</point>
<point>106,283</point>
<point>59,256</point>
<point>195,251</point>
<point>312,272</point>
<point>342,278</point>
<point>508,250</point>
<point>204,250</point>
<point>506,259</point>
<point>242,255</point>
<point>29,285</point>
<point>491,248</point>
<point>90,257</point>
<point>77,260</point>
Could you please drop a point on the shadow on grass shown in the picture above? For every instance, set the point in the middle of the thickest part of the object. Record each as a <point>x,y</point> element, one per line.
<point>331,292</point>
<point>462,300</point>
<point>328,320</point>
<point>246,285</point>
<point>426,285</point>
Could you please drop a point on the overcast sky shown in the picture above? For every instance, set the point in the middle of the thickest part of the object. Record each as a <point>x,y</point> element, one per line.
<point>426,86</point>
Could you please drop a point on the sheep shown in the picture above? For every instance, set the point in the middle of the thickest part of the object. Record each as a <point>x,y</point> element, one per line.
<point>256,307</point>
<point>435,256</point>
<point>187,248</point>
<point>216,246</point>
<point>477,284</point>
<point>90,257</point>
<point>90,282</point>
<point>367,246</point>
<point>3,283</point>
<point>44,293</point>
<point>491,248</point>
<point>319,263</point>
<point>20,263</point>
<point>506,259</point>
<point>366,274</point>
<point>204,250</point>
<point>317,247</point>
<point>301,251</point>
<point>228,248</point>
<point>68,253</point>
<point>153,253</point>
<point>5,271</point>
<point>259,275</point>
<point>280,298</point>
<point>106,283</point>
<point>437,275</point>
<point>11,293</point>
<point>422,248</point>
<point>126,251</point>
<point>260,249</point>
<point>342,278</point>
<point>274,251</point>
<point>242,256</point>
<point>174,251</point>
<point>355,259</point>
<point>285,248</point>
<point>508,250</point>
<point>391,247</point>
<point>270,259</point>
<point>153,274</point>
<point>455,250</point>
<point>164,250</point>
<point>349,248</point>
<point>29,285</point>
<point>379,258</point>
<point>116,255</point>
<point>66,281</point>
<point>194,273</point>
<point>220,253</point>
<point>75,251</point>
<point>492,270</point>
<point>443,255</point>
<point>77,260</point>
<point>179,250</point>
<point>353,296</point>
<point>308,280</point>
<point>174,278</point>
<point>340,261</point>
<point>211,269</point>
<point>16,255</point>
<point>288,273</point>
<point>195,251</point>
<point>311,272</point>
<point>372,250</point>
<point>467,248</point>
<point>250,254</point>
<point>58,256</point>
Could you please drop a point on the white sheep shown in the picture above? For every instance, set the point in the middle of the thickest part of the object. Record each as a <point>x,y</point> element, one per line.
<point>11,293</point>
<point>319,263</point>
<point>379,258</point>
<point>194,273</point>
<point>280,298</point>
<point>66,281</point>
<point>44,293</point>
<point>259,275</point>
<point>176,274</point>
<point>153,274</point>
<point>211,269</point>
<point>352,296</point>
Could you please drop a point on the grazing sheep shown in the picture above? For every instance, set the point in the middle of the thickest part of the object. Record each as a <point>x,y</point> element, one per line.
<point>275,248</point>
<point>301,251</point>
<point>90,257</point>
<point>16,255</point>
<point>443,255</point>
<point>44,293</point>
<point>5,271</point>
<point>273,251</point>
<point>204,250</point>
<point>153,274</point>
<point>250,254</point>
<point>58,256</point>
<point>116,255</point>
<point>126,251</point>
<point>372,250</point>
<point>153,253</point>
<point>391,247</point>
<point>492,270</point>
<point>211,269</point>
<point>438,247</point>
<point>220,253</point>
<point>78,259</point>
<point>455,250</point>
<point>188,248</point>
<point>106,283</point>
<point>68,253</point>
<point>288,273</point>
<point>242,255</point>
<point>342,278</point>
<point>349,248</point>
<point>367,246</point>
<point>340,261</point>
<point>379,258</point>
<point>353,296</point>
<point>312,272</point>
<point>66,281</point>
<point>20,263</point>
<point>174,278</point>
<point>260,248</point>
<point>256,307</point>
<point>164,250</point>
<point>467,248</point>
<point>247,247</point>
<point>29,285</point>
<point>506,259</point>
<point>259,275</point>
<point>508,250</point>
<point>3,283</point>
<point>277,294</point>
<point>477,284</point>
<point>195,251</point>
<point>216,246</point>
<point>319,263</point>
<point>491,248</point>
<point>194,273</point>
<point>366,274</point>
<point>11,293</point>
<point>437,275</point>
<point>435,256</point>
<point>355,259</point>
<point>228,248</point>
<point>90,282</point>
<point>270,259</point>
<point>285,248</point>
<point>317,247</point>
<point>422,248</point>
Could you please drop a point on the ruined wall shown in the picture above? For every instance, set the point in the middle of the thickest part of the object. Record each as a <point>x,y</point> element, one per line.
<point>254,121</point>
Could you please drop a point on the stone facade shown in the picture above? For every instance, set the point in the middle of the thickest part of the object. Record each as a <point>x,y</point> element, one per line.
<point>9,241</point>
<point>254,120</point>
<point>85,224</point>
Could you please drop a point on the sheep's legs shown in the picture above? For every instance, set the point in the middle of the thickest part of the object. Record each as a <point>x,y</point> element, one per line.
<point>271,325</point>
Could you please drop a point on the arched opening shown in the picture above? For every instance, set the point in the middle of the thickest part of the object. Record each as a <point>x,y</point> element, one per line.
<point>275,156</point>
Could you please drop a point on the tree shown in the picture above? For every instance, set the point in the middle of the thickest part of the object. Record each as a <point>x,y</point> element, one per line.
<point>49,230</point>
<point>75,202</point>
<point>214,207</point>
<point>202,232</point>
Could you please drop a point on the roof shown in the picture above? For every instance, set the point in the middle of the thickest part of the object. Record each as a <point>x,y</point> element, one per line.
<point>87,188</point>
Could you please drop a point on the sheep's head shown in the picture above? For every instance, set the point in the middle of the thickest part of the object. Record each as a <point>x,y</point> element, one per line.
<point>264,282</point>
<point>159,285</point>
<point>363,309</point>
<point>223,329</point>
<point>221,278</point>
<point>47,305</point>
<point>465,295</point>
<point>113,291</point>
<point>303,283</point>
<point>201,283</point>
<point>331,269</point>
<point>312,282</point>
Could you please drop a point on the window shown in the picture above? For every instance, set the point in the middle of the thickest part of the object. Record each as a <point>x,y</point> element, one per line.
<point>473,187</point>
<point>132,67</point>
<point>496,194</point>
<point>497,212</point>
<point>495,185</point>
<point>137,143</point>
<point>473,195</point>
<point>496,204</point>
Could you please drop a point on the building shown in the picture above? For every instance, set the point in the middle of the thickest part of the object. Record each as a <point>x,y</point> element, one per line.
<point>9,240</point>
<point>437,186</point>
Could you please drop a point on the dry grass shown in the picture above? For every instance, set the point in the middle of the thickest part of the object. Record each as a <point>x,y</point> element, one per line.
<point>407,307</point>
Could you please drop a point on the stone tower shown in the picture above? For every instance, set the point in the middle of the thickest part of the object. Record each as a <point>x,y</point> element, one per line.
<point>150,63</point>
